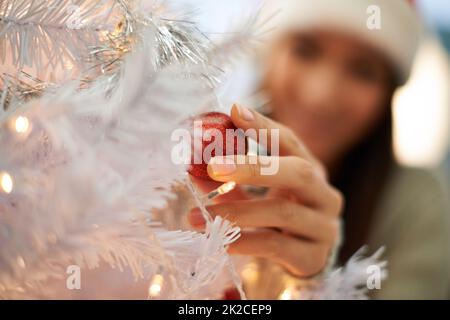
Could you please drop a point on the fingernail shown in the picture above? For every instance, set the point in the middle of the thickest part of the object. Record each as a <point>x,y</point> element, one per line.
<point>196,217</point>
<point>244,113</point>
<point>222,166</point>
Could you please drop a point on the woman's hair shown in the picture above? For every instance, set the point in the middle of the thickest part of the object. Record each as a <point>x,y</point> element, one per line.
<point>361,179</point>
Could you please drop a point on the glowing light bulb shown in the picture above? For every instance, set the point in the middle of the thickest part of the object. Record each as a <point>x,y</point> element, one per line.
<point>223,189</point>
<point>286,294</point>
<point>156,286</point>
<point>250,273</point>
<point>21,124</point>
<point>6,182</point>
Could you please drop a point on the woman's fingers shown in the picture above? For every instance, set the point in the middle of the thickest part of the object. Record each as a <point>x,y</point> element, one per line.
<point>275,135</point>
<point>277,213</point>
<point>299,257</point>
<point>295,230</point>
<point>289,144</point>
<point>291,173</point>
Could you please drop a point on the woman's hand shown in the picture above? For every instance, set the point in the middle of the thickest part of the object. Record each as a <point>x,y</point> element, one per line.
<point>297,223</point>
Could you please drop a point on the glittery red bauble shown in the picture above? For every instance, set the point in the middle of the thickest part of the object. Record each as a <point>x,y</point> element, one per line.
<point>210,121</point>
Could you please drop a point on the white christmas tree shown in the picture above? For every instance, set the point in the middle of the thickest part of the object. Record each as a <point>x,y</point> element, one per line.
<point>90,93</point>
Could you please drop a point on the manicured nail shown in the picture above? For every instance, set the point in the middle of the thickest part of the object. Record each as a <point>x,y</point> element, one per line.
<point>244,113</point>
<point>196,217</point>
<point>222,166</point>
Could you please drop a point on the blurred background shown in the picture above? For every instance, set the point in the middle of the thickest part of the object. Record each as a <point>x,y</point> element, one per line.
<point>421,107</point>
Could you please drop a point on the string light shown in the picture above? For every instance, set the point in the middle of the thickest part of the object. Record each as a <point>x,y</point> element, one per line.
<point>21,124</point>
<point>156,286</point>
<point>250,273</point>
<point>6,182</point>
<point>286,294</point>
<point>223,189</point>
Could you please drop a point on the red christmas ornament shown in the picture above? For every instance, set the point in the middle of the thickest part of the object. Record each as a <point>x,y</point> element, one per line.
<point>209,135</point>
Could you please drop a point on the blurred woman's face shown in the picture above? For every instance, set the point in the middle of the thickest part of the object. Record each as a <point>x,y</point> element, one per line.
<point>329,88</point>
